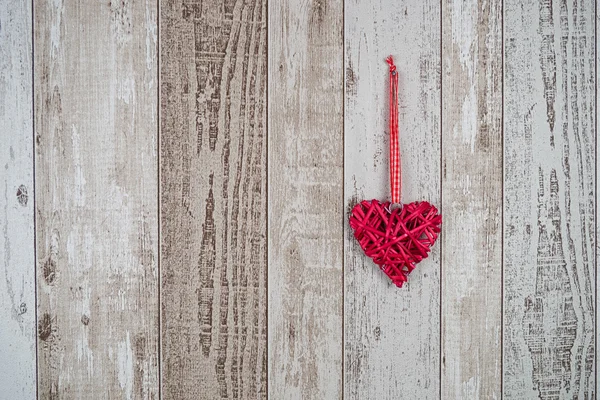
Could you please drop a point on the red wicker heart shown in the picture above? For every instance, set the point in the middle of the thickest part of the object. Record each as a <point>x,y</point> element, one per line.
<point>396,240</point>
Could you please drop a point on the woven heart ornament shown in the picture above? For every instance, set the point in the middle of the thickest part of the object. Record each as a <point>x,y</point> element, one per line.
<point>395,236</point>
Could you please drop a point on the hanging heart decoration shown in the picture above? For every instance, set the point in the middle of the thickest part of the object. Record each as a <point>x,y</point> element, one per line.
<point>396,236</point>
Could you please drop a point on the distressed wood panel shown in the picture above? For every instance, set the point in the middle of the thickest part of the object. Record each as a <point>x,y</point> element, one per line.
<point>17,265</point>
<point>596,360</point>
<point>305,199</point>
<point>213,199</point>
<point>95,74</point>
<point>392,336</point>
<point>549,192</point>
<point>472,199</point>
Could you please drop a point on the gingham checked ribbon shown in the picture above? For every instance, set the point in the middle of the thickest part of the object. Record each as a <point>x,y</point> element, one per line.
<point>395,165</point>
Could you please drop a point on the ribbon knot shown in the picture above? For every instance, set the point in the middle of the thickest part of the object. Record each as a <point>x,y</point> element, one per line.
<point>390,61</point>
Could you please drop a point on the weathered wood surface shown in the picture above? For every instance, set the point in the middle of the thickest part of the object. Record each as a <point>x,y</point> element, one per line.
<point>391,335</point>
<point>549,199</point>
<point>472,199</point>
<point>213,199</point>
<point>95,73</point>
<point>306,210</point>
<point>596,126</point>
<point>497,125</point>
<point>17,266</point>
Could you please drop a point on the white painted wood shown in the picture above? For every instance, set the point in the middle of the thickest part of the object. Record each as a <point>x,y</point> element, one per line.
<point>305,212</point>
<point>596,360</point>
<point>17,265</point>
<point>472,199</point>
<point>392,335</point>
<point>549,199</point>
<point>96,199</point>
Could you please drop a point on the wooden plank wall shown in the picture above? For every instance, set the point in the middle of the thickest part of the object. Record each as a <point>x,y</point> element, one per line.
<point>549,199</point>
<point>17,274</point>
<point>177,174</point>
<point>95,71</point>
<point>306,212</point>
<point>596,128</point>
<point>213,199</point>
<point>472,199</point>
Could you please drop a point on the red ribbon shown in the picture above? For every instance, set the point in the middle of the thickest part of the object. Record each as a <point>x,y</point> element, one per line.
<point>395,165</point>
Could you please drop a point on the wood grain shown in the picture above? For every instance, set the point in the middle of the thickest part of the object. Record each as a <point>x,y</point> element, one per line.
<point>472,199</point>
<point>306,213</point>
<point>392,335</point>
<point>96,199</point>
<point>213,199</point>
<point>549,193</point>
<point>596,359</point>
<point>17,265</point>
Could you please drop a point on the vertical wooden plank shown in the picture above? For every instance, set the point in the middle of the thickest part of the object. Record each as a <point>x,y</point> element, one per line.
<point>392,335</point>
<point>472,199</point>
<point>17,273</point>
<point>596,360</point>
<point>213,198</point>
<point>305,199</point>
<point>549,192</point>
<point>95,76</point>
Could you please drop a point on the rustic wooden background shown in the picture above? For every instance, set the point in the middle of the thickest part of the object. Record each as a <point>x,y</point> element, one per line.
<point>176,177</point>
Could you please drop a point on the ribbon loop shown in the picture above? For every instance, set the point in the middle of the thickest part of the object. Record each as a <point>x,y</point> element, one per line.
<point>395,164</point>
